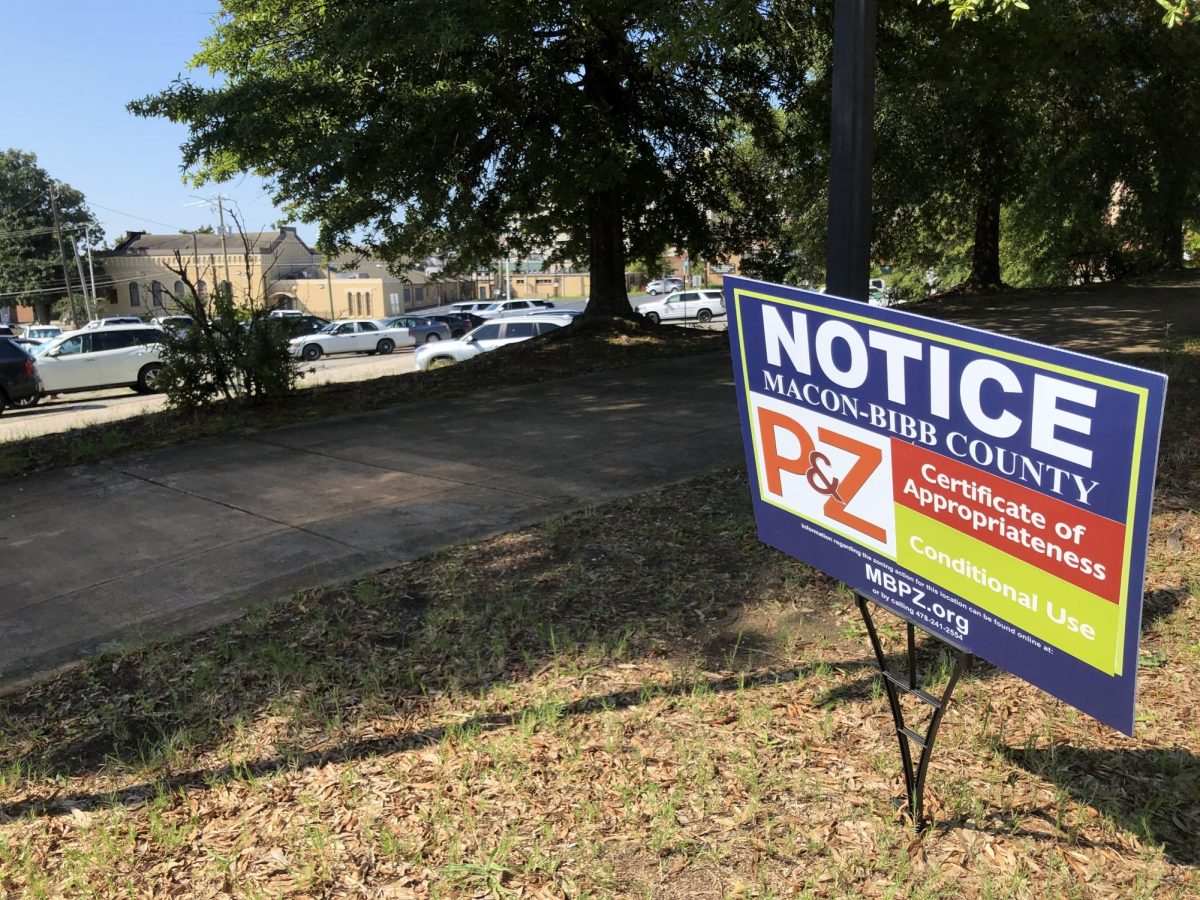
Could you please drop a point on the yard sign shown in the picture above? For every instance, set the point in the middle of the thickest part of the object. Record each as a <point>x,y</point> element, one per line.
<point>993,491</point>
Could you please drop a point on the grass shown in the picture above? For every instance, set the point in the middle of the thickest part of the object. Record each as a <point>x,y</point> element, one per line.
<point>579,350</point>
<point>636,700</point>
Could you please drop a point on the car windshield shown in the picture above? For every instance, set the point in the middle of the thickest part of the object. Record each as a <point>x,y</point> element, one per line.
<point>329,328</point>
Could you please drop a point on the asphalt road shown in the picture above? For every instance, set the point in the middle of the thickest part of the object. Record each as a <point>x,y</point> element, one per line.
<point>70,411</point>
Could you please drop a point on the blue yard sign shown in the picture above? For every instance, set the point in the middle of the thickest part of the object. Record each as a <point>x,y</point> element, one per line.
<point>993,491</point>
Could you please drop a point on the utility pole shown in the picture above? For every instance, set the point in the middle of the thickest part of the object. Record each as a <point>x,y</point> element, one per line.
<point>224,249</point>
<point>329,287</point>
<point>82,281</point>
<point>196,256</point>
<point>91,271</point>
<point>848,259</point>
<point>62,254</point>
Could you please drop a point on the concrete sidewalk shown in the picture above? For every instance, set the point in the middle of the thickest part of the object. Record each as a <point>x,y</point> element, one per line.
<point>177,539</point>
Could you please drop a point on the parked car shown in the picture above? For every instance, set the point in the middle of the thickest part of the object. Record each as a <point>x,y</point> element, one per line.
<point>172,322</point>
<point>41,333</point>
<point>700,305</point>
<point>459,324</point>
<point>664,285</point>
<point>18,376</point>
<point>468,307</point>
<point>103,356</point>
<point>350,336</point>
<point>487,336</point>
<point>422,328</point>
<point>7,331</point>
<point>503,308</point>
<point>114,320</point>
<point>297,326</point>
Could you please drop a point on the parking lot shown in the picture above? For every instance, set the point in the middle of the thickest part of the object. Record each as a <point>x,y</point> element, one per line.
<point>77,410</point>
<point>69,411</point>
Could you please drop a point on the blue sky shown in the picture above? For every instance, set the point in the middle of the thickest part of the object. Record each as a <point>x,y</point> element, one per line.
<point>67,69</point>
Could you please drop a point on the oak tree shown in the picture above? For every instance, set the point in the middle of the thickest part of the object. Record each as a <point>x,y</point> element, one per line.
<point>600,130</point>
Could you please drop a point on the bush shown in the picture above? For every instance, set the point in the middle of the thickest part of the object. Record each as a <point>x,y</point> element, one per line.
<point>226,352</point>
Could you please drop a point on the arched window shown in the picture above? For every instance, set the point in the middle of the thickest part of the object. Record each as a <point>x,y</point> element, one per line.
<point>202,290</point>
<point>135,294</point>
<point>180,290</point>
<point>368,303</point>
<point>349,303</point>
<point>226,289</point>
<point>358,301</point>
<point>156,293</point>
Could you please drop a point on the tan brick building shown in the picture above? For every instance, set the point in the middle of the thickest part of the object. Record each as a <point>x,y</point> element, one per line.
<point>272,268</point>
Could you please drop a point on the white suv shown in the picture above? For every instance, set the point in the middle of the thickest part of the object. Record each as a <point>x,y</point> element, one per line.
<point>699,305</point>
<point>487,336</point>
<point>105,356</point>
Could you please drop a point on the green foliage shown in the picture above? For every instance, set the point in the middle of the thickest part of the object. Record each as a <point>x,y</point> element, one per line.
<point>228,351</point>
<point>466,127</point>
<point>1068,123</point>
<point>1174,12</point>
<point>29,258</point>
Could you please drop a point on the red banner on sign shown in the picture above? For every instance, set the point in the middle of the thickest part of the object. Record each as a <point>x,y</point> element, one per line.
<point>1073,544</point>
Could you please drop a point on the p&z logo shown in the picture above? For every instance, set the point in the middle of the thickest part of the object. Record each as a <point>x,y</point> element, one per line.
<point>807,454</point>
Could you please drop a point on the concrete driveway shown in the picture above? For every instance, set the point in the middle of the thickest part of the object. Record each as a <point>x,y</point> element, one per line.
<point>177,539</point>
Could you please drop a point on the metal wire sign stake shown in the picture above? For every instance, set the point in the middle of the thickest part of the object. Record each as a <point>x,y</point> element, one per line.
<point>914,779</point>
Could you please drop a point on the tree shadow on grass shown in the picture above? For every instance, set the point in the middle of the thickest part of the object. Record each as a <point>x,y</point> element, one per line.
<point>201,779</point>
<point>638,580</point>
<point>1152,793</point>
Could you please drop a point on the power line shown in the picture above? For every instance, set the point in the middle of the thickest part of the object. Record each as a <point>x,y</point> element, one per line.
<point>62,288</point>
<point>135,216</point>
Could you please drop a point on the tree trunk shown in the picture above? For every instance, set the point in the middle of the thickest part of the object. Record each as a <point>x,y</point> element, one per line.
<point>603,89</point>
<point>43,311</point>
<point>985,258</point>
<point>607,294</point>
<point>1172,242</point>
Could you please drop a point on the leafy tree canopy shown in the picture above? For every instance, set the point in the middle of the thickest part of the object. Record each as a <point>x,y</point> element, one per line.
<point>604,129</point>
<point>1175,12</point>
<point>30,267</point>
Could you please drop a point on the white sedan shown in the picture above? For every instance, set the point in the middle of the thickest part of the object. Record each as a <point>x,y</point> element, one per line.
<point>487,336</point>
<point>350,336</point>
<point>504,308</point>
<point>699,305</point>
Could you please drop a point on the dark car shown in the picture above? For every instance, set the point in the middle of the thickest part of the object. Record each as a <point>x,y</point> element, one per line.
<point>298,326</point>
<point>18,376</point>
<point>458,323</point>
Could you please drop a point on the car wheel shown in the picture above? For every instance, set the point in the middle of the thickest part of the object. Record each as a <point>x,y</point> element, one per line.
<point>387,345</point>
<point>26,402</point>
<point>432,336</point>
<point>653,318</point>
<point>311,352</point>
<point>149,379</point>
<point>440,362</point>
<point>652,292</point>
<point>705,315</point>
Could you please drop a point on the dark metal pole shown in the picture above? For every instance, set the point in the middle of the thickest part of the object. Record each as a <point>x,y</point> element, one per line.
<point>848,259</point>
